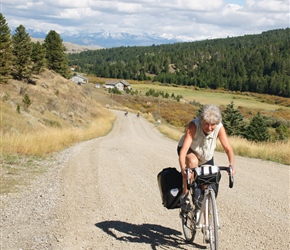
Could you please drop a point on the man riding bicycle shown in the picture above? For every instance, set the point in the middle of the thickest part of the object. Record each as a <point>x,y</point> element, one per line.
<point>197,145</point>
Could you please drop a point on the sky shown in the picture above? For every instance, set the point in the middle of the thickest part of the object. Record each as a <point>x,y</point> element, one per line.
<point>189,20</point>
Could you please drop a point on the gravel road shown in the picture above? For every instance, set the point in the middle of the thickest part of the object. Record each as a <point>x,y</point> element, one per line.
<point>103,194</point>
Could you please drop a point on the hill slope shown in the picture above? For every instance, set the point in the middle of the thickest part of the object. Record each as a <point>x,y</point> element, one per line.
<point>254,63</point>
<point>55,102</point>
<point>71,47</point>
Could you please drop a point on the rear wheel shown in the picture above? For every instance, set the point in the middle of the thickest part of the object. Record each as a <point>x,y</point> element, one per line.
<point>212,222</point>
<point>188,226</point>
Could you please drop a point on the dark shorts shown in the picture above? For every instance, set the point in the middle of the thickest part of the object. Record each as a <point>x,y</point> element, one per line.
<point>210,162</point>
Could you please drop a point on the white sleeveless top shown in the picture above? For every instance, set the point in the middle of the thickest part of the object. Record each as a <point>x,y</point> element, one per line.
<point>203,145</point>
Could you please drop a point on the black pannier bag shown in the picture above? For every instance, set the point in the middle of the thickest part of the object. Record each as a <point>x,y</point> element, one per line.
<point>170,187</point>
<point>208,175</point>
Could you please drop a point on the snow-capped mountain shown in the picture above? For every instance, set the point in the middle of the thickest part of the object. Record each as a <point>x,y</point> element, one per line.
<point>107,39</point>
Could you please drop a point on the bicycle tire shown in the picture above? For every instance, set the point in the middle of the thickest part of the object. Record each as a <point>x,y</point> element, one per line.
<point>212,222</point>
<point>188,226</point>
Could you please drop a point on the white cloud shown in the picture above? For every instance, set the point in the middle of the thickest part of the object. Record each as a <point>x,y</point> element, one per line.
<point>200,5</point>
<point>268,5</point>
<point>190,19</point>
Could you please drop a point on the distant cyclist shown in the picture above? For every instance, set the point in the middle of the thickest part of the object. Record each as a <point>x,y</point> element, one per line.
<point>198,144</point>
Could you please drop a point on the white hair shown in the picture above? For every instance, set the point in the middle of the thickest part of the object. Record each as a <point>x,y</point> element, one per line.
<point>211,113</point>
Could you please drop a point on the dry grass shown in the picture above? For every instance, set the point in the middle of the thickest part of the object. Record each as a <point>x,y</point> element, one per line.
<point>248,103</point>
<point>61,114</point>
<point>42,143</point>
<point>46,127</point>
<point>276,151</point>
<point>149,117</point>
<point>272,151</point>
<point>170,132</point>
<point>174,112</point>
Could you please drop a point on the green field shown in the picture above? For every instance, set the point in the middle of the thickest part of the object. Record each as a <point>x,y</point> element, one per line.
<point>214,97</point>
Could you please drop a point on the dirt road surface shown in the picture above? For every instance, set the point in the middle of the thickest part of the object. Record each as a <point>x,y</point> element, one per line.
<point>103,194</point>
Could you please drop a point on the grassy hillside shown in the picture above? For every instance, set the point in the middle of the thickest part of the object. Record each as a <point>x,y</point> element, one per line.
<point>33,116</point>
<point>62,113</point>
<point>175,115</point>
<point>55,113</point>
<point>276,108</point>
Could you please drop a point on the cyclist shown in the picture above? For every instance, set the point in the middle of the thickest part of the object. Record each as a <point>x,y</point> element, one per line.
<point>198,143</point>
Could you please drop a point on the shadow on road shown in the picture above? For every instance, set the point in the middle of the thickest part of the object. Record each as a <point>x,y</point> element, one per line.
<point>153,235</point>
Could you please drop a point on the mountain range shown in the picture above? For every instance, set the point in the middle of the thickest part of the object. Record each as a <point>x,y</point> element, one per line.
<point>107,39</point>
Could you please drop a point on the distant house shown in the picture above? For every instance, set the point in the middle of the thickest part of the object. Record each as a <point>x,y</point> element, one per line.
<point>79,79</point>
<point>119,84</point>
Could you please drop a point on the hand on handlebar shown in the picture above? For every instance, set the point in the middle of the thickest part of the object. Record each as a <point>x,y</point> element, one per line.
<point>233,169</point>
<point>185,172</point>
<point>231,172</point>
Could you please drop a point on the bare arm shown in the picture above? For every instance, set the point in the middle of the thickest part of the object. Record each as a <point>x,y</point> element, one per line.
<point>227,147</point>
<point>189,134</point>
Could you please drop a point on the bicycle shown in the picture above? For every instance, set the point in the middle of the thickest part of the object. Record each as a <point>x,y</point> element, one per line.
<point>204,216</point>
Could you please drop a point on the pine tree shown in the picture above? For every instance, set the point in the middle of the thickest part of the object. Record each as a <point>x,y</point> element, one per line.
<point>38,57</point>
<point>55,54</point>
<point>5,51</point>
<point>22,52</point>
<point>233,120</point>
<point>257,130</point>
<point>282,132</point>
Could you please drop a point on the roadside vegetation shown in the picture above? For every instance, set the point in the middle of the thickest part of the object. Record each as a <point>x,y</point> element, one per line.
<point>257,128</point>
<point>271,151</point>
<point>44,142</point>
<point>42,112</point>
<point>37,120</point>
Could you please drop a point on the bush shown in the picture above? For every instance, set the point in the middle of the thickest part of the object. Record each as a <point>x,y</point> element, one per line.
<point>257,130</point>
<point>26,100</point>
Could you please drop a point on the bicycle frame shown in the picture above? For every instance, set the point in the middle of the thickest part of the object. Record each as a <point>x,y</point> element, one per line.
<point>205,218</point>
<point>204,210</point>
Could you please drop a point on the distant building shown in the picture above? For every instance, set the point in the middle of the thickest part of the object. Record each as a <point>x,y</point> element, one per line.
<point>119,84</point>
<point>75,68</point>
<point>79,79</point>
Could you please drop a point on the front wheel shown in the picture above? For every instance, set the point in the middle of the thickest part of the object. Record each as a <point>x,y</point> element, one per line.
<point>188,226</point>
<point>212,222</point>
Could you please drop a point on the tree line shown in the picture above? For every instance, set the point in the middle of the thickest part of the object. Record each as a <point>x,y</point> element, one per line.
<point>20,57</point>
<point>254,63</point>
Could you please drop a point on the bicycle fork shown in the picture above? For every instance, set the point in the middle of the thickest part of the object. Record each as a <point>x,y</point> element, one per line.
<point>204,211</point>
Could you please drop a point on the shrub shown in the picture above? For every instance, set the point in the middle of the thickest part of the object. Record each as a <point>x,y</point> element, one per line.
<point>26,100</point>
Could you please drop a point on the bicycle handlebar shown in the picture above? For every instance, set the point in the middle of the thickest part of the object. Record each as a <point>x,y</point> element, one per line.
<point>231,176</point>
<point>228,169</point>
